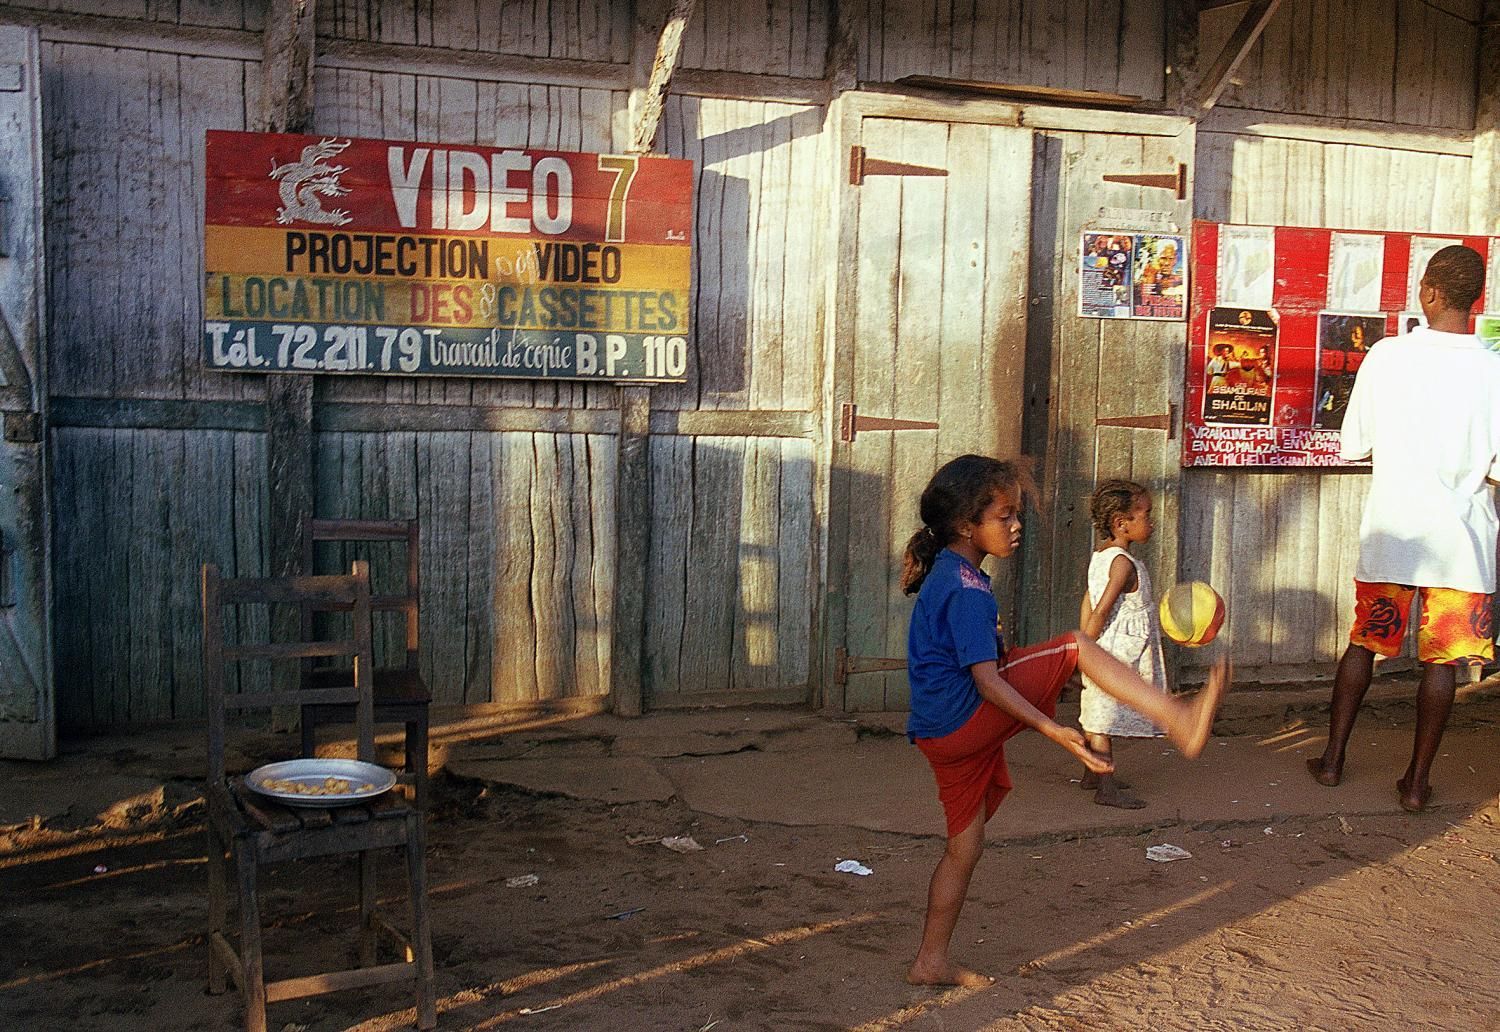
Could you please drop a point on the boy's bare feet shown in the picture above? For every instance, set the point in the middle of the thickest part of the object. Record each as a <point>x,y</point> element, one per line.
<point>950,974</point>
<point>1190,733</point>
<point>1414,798</point>
<point>1112,793</point>
<point>1090,780</point>
<point>1323,774</point>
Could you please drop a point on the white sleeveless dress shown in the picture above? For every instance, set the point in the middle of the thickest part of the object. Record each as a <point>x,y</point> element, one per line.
<point>1132,634</point>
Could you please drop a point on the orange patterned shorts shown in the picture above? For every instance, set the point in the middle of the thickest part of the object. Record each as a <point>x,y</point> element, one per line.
<point>1457,628</point>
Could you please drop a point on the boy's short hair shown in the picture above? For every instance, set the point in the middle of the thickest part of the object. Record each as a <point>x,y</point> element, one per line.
<point>1457,273</point>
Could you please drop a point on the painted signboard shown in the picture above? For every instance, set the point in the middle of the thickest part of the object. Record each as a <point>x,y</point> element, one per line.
<point>347,255</point>
<point>1280,320</point>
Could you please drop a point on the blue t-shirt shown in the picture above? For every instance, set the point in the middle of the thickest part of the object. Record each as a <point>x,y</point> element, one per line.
<point>955,624</point>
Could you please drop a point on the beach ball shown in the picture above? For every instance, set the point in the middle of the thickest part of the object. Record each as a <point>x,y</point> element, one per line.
<point>1191,613</point>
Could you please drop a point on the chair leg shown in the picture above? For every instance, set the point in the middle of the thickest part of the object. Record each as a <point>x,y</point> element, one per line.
<point>250,954</point>
<point>416,760</point>
<point>309,733</point>
<point>367,936</point>
<point>421,931</point>
<point>218,910</point>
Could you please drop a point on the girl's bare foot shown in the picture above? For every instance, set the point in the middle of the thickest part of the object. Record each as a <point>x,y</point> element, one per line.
<point>948,974</point>
<point>1112,793</point>
<point>1413,798</point>
<point>1190,733</point>
<point>1324,774</point>
<point>1090,780</point>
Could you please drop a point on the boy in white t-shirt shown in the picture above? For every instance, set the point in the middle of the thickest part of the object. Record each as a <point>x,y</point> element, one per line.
<point>1425,409</point>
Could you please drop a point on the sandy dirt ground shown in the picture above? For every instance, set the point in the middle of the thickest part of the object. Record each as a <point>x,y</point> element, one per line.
<point>1373,921</point>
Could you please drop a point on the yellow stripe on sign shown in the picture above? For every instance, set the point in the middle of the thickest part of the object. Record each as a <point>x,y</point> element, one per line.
<point>394,256</point>
<point>457,303</point>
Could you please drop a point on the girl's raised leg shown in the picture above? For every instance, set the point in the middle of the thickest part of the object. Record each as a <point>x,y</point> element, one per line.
<point>945,898</point>
<point>1186,723</point>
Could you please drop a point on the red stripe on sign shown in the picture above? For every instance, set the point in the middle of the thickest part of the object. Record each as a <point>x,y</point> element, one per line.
<point>1393,280</point>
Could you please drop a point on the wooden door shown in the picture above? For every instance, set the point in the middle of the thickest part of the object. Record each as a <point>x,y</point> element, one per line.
<point>928,364</point>
<point>26,700</point>
<point>1103,395</point>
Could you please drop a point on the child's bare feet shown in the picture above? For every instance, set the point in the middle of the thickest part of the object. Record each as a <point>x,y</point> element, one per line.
<point>1324,774</point>
<point>1190,733</point>
<point>1112,793</point>
<point>947,974</point>
<point>1090,780</point>
<point>1413,798</point>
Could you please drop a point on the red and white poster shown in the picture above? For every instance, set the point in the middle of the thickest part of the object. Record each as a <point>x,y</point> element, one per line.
<point>1279,320</point>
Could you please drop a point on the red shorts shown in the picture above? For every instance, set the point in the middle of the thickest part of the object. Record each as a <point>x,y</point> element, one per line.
<point>1457,627</point>
<point>969,764</point>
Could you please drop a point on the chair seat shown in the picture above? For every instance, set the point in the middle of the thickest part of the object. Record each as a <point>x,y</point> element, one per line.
<point>390,686</point>
<point>264,813</point>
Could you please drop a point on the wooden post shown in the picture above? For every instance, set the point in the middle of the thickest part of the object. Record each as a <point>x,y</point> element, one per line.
<point>1216,80</point>
<point>646,99</point>
<point>653,59</point>
<point>841,66</point>
<point>286,106</point>
<point>1181,34</point>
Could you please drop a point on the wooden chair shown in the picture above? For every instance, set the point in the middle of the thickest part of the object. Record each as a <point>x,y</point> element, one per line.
<point>401,695</point>
<point>247,829</point>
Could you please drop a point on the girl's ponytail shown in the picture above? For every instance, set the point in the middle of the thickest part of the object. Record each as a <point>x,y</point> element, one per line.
<point>921,552</point>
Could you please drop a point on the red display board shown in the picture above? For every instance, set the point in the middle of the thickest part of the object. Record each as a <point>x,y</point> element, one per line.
<point>1269,365</point>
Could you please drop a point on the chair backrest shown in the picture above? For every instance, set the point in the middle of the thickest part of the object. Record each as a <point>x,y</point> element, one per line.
<point>222,596</point>
<point>319,529</point>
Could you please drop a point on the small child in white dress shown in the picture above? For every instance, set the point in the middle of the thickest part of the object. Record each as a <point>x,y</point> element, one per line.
<point>1119,612</point>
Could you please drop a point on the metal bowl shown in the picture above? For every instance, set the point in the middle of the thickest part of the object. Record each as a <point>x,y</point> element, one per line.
<point>329,782</point>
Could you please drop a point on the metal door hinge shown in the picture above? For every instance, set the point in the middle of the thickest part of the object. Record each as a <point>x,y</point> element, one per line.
<point>851,423</point>
<point>1162,421</point>
<point>23,427</point>
<point>861,166</point>
<point>1174,181</point>
<point>845,664</point>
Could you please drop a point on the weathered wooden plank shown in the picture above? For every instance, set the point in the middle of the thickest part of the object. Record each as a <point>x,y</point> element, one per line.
<point>514,469</point>
<point>877,275</point>
<point>668,568</point>
<point>755,665</point>
<point>713,545</point>
<point>798,580</point>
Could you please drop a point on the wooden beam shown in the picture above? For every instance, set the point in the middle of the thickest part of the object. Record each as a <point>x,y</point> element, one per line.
<point>1240,41</point>
<point>1180,30</point>
<point>286,106</point>
<point>633,548</point>
<point>1484,194</point>
<point>646,111</point>
<point>841,66</point>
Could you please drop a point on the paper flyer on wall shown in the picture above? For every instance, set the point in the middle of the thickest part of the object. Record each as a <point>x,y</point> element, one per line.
<point>1247,265</point>
<point>1408,321</point>
<point>1422,250</point>
<point>1105,269</point>
<point>1356,265</point>
<point>1344,338</point>
<point>1240,366</point>
<point>1160,277</point>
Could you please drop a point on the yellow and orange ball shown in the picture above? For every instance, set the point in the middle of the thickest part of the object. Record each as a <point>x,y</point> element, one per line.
<point>1191,613</point>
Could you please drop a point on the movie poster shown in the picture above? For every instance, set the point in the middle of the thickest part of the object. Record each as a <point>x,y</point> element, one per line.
<point>1160,277</point>
<point>1343,341</point>
<point>1104,275</point>
<point>1240,366</point>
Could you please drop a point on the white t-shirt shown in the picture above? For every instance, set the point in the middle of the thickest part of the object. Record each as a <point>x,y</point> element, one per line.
<point>1426,410</point>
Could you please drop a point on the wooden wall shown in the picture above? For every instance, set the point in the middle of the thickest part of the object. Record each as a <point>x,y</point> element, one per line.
<point>1282,546</point>
<point>160,465</point>
<point>1406,61</point>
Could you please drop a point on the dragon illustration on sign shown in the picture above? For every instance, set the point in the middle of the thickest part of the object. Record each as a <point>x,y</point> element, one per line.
<point>302,182</point>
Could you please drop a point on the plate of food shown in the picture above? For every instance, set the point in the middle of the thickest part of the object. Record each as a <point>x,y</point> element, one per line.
<point>320,782</point>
